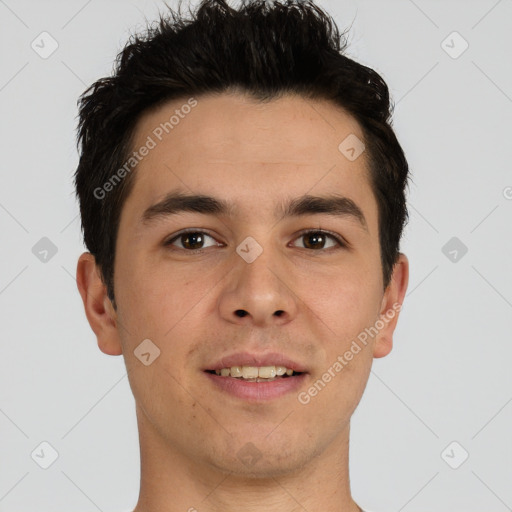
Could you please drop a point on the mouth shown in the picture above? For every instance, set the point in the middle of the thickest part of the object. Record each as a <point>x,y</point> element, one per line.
<point>256,379</point>
<point>255,373</point>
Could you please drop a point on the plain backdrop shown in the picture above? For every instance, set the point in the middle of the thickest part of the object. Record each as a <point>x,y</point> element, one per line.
<point>432,432</point>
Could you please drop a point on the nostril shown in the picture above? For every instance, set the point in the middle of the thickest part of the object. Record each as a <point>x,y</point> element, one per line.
<point>242,313</point>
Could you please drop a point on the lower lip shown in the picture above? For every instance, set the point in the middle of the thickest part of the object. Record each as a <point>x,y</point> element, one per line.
<point>257,391</point>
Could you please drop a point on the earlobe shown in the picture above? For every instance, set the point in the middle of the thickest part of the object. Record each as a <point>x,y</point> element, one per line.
<point>391,305</point>
<point>98,308</point>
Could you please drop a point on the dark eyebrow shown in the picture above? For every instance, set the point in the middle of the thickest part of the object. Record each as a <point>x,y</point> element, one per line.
<point>177,202</point>
<point>332,204</point>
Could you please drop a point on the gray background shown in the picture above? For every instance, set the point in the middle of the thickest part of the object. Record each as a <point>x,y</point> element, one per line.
<point>448,377</point>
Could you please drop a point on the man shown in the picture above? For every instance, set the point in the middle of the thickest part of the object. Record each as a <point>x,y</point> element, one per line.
<point>242,198</point>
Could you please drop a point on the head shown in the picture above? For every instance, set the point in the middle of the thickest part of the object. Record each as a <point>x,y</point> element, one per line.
<point>287,146</point>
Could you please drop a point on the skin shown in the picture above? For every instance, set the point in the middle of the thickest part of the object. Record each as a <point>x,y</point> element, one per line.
<point>256,156</point>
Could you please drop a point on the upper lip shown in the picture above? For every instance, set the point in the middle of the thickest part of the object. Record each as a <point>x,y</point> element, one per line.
<point>250,359</point>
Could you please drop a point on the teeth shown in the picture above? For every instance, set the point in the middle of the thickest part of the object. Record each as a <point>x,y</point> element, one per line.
<point>249,372</point>
<point>267,372</point>
<point>255,372</point>
<point>236,371</point>
<point>280,370</point>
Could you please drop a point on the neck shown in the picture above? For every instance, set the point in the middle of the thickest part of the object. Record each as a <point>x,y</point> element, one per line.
<point>172,482</point>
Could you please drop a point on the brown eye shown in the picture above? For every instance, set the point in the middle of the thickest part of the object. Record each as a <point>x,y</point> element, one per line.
<point>190,240</point>
<point>317,240</point>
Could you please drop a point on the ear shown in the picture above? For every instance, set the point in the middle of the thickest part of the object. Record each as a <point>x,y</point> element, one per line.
<point>98,307</point>
<point>391,305</point>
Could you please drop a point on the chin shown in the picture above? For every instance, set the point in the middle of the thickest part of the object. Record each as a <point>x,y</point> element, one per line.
<point>263,456</point>
<point>267,467</point>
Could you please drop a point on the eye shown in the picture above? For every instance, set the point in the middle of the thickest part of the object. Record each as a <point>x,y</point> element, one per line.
<point>194,240</point>
<point>190,240</point>
<point>317,239</point>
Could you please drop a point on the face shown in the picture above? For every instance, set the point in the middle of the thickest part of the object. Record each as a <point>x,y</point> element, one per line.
<point>267,281</point>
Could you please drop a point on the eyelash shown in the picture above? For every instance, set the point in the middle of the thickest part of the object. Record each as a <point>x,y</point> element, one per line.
<point>341,243</point>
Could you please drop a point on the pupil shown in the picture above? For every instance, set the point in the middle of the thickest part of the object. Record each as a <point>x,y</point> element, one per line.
<point>315,237</point>
<point>196,238</point>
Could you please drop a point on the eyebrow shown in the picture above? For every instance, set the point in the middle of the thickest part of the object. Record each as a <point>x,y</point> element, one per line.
<point>176,202</point>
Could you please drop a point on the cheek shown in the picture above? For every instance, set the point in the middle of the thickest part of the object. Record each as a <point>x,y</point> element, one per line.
<point>345,301</point>
<point>329,402</point>
<point>155,298</point>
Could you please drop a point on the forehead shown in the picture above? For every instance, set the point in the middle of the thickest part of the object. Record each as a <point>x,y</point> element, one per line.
<point>287,129</point>
<point>232,146</point>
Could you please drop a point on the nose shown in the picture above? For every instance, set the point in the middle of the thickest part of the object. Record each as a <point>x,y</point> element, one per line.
<point>258,293</point>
